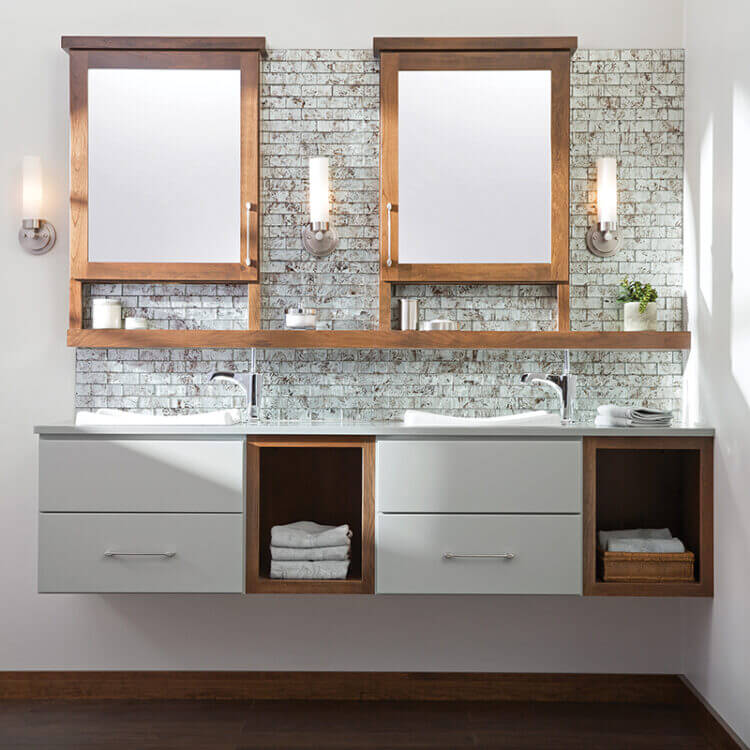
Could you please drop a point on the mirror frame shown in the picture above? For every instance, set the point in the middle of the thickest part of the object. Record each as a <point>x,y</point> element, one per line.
<point>524,53</point>
<point>234,53</point>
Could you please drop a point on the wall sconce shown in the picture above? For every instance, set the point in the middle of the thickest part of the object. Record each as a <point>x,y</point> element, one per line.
<point>35,235</point>
<point>319,238</point>
<point>602,238</point>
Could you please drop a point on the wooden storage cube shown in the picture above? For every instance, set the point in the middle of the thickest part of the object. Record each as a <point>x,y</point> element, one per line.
<point>326,480</point>
<point>649,483</point>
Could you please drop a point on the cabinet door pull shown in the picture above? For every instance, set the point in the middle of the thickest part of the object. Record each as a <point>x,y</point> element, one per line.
<point>111,553</point>
<point>248,209</point>
<point>496,556</point>
<point>389,208</point>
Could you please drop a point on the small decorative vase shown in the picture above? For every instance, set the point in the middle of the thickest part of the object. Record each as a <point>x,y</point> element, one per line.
<point>637,321</point>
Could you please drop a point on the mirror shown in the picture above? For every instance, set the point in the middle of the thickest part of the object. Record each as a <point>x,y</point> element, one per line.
<point>164,165</point>
<point>474,166</point>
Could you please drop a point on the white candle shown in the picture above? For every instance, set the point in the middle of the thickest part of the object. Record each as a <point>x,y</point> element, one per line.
<point>319,189</point>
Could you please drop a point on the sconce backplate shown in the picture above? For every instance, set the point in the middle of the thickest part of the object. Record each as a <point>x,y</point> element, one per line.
<point>319,243</point>
<point>39,240</point>
<point>603,244</point>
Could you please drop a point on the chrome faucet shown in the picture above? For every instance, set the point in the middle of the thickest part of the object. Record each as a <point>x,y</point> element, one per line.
<point>563,385</point>
<point>250,383</point>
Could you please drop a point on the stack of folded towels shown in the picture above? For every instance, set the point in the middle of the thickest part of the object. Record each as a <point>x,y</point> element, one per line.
<point>640,540</point>
<point>610,415</point>
<point>306,549</point>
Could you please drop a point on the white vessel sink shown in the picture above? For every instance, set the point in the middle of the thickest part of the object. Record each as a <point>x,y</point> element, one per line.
<point>527,418</point>
<point>117,417</point>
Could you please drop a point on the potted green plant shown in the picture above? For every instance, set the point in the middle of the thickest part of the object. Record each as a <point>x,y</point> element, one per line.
<point>639,305</point>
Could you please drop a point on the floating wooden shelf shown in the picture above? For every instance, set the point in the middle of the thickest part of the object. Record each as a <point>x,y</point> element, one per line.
<point>380,339</point>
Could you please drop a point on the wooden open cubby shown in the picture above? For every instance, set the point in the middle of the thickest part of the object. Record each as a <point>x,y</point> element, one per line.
<point>649,483</point>
<point>327,480</point>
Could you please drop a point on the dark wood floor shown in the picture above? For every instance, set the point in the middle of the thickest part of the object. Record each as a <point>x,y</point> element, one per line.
<point>327,725</point>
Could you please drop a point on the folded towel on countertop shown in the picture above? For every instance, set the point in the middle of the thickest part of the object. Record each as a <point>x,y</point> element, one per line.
<point>600,421</point>
<point>325,570</point>
<point>307,534</point>
<point>645,545</point>
<point>310,553</point>
<point>606,536</point>
<point>609,415</point>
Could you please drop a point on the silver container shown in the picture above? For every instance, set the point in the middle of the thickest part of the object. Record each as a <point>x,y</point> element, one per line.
<point>440,324</point>
<point>409,314</point>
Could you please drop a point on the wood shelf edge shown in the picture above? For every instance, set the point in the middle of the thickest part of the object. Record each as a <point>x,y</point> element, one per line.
<point>379,339</point>
<point>474,44</point>
<point>166,43</point>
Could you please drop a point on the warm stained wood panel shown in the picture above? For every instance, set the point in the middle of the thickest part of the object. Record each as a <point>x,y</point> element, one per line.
<point>473,43</point>
<point>169,43</point>
<point>382,339</point>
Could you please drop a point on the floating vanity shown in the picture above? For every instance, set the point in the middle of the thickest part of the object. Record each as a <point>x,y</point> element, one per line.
<point>434,510</point>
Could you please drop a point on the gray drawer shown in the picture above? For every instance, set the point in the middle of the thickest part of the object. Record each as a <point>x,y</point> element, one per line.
<point>205,552</point>
<point>141,475</point>
<point>479,476</point>
<point>410,554</point>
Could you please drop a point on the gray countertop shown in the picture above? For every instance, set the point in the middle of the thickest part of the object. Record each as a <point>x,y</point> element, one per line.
<point>378,429</point>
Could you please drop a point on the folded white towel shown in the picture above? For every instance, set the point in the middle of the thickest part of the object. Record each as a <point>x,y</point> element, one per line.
<point>328,570</point>
<point>306,534</point>
<point>645,545</point>
<point>606,536</point>
<point>311,553</point>
<point>635,416</point>
<point>601,421</point>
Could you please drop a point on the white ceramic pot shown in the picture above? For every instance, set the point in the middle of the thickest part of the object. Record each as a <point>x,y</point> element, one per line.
<point>637,321</point>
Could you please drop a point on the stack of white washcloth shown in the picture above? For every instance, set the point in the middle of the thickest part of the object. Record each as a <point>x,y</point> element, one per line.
<point>640,540</point>
<point>306,549</point>
<point>610,415</point>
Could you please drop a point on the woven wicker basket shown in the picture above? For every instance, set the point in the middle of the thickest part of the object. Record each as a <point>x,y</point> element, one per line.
<point>646,567</point>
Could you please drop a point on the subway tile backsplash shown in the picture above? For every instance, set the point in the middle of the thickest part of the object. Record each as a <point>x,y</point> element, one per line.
<point>627,103</point>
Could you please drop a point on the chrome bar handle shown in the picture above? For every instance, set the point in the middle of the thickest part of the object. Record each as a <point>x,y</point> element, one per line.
<point>248,209</point>
<point>497,556</point>
<point>389,208</point>
<point>110,553</point>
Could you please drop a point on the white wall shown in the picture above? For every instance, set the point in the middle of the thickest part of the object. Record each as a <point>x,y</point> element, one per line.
<point>36,383</point>
<point>717,273</point>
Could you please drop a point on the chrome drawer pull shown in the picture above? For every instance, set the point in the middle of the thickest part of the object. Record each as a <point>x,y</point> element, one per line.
<point>110,553</point>
<point>498,556</point>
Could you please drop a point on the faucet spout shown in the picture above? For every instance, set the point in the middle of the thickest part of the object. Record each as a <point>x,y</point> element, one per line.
<point>563,385</point>
<point>249,382</point>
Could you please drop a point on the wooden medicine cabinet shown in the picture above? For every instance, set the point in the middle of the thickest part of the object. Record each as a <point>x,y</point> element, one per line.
<point>475,139</point>
<point>164,175</point>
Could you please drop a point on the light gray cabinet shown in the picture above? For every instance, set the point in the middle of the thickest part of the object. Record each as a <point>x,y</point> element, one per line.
<point>141,515</point>
<point>141,552</point>
<point>478,554</point>
<point>141,475</point>
<point>479,476</point>
<point>478,516</point>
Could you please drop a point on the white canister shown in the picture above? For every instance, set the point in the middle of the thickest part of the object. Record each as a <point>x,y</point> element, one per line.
<point>106,313</point>
<point>300,318</point>
<point>634,320</point>
<point>136,324</point>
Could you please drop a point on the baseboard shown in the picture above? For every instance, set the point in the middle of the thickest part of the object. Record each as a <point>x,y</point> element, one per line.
<point>718,733</point>
<point>433,686</point>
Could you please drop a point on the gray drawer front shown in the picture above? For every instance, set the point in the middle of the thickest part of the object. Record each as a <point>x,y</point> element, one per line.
<point>546,549</point>
<point>479,476</point>
<point>141,475</point>
<point>208,552</point>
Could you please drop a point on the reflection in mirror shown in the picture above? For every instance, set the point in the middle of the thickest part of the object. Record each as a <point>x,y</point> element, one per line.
<point>164,166</point>
<point>474,166</point>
